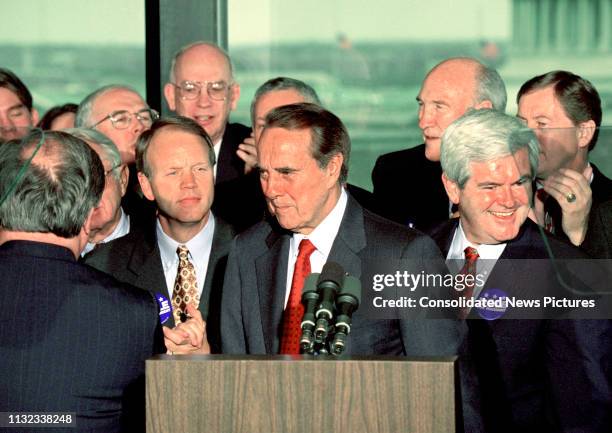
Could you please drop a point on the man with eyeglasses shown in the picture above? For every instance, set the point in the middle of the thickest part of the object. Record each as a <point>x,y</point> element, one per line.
<point>120,113</point>
<point>17,115</point>
<point>108,220</point>
<point>565,110</point>
<point>202,87</point>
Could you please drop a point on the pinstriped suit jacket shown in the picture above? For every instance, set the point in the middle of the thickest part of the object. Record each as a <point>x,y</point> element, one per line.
<point>72,339</point>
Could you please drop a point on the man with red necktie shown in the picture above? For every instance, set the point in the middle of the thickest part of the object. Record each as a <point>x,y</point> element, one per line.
<point>303,158</point>
<point>516,373</point>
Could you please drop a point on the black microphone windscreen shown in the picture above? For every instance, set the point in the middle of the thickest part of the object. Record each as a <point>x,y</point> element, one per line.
<point>332,271</point>
<point>310,284</point>
<point>352,287</point>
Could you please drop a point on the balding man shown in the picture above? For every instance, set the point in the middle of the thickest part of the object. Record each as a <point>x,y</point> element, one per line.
<point>448,91</point>
<point>120,113</point>
<point>202,87</point>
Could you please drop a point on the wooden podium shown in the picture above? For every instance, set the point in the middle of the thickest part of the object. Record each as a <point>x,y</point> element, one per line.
<point>300,394</point>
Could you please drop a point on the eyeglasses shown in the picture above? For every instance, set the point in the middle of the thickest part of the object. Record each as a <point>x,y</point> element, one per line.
<point>122,119</point>
<point>191,90</point>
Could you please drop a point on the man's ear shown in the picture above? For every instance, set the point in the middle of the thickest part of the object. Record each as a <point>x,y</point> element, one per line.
<point>87,224</point>
<point>34,115</point>
<point>124,176</point>
<point>334,166</point>
<point>170,96</point>
<point>585,132</point>
<point>483,104</point>
<point>452,189</point>
<point>234,96</point>
<point>145,185</point>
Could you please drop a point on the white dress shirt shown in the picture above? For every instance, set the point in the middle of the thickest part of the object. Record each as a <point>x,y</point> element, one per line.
<point>322,237</point>
<point>217,149</point>
<point>487,256</point>
<point>199,253</point>
<point>122,229</point>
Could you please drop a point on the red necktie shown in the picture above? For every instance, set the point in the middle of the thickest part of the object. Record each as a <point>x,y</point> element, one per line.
<point>469,268</point>
<point>292,317</point>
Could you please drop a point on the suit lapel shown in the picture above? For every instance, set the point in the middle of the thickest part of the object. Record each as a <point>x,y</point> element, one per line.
<point>271,269</point>
<point>145,263</point>
<point>221,243</point>
<point>350,239</point>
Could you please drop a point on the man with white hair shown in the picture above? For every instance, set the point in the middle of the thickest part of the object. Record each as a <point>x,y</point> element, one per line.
<point>516,372</point>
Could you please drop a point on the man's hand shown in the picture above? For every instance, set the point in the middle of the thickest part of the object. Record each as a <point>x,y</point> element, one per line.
<point>188,337</point>
<point>247,151</point>
<point>575,213</point>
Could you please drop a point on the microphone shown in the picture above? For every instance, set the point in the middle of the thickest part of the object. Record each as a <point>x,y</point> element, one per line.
<point>329,283</point>
<point>309,300</point>
<point>347,302</point>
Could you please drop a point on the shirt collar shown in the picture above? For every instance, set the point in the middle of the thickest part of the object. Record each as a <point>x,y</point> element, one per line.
<point>460,243</point>
<point>323,236</point>
<point>196,245</point>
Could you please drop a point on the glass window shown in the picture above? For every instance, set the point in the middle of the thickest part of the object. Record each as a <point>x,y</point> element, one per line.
<point>367,59</point>
<point>64,49</point>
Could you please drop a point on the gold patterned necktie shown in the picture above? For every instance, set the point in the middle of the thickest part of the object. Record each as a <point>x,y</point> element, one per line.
<point>185,285</point>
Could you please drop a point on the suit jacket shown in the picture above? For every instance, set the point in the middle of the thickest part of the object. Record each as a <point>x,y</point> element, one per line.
<point>136,259</point>
<point>255,284</point>
<point>601,188</point>
<point>73,339</point>
<point>229,164</point>
<point>532,375</point>
<point>599,242</point>
<point>238,197</point>
<point>408,188</point>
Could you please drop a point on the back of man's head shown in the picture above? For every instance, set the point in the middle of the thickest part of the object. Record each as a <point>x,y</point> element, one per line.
<point>10,81</point>
<point>62,182</point>
<point>482,136</point>
<point>578,97</point>
<point>284,83</point>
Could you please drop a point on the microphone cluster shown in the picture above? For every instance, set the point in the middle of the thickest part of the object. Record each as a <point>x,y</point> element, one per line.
<point>329,299</point>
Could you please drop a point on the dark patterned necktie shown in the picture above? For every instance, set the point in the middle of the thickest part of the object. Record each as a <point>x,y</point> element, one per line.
<point>469,268</point>
<point>292,317</point>
<point>185,285</point>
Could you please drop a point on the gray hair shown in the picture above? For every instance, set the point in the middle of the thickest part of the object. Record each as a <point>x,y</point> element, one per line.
<point>58,188</point>
<point>481,136</point>
<point>284,83</point>
<point>109,150</point>
<point>83,118</point>
<point>490,86</point>
<point>187,47</point>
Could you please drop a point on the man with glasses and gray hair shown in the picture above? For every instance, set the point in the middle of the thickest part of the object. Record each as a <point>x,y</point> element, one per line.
<point>120,113</point>
<point>109,221</point>
<point>202,87</point>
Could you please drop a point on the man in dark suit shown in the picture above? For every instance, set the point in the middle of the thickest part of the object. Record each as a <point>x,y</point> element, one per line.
<point>303,154</point>
<point>565,110</point>
<point>407,185</point>
<point>175,161</point>
<point>53,359</point>
<point>202,87</point>
<point>516,375</point>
